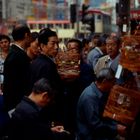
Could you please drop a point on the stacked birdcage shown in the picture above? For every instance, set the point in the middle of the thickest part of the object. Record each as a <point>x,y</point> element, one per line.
<point>130,51</point>
<point>68,64</point>
<point>123,103</point>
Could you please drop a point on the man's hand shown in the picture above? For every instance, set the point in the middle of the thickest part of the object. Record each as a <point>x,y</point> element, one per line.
<point>57,128</point>
<point>121,129</point>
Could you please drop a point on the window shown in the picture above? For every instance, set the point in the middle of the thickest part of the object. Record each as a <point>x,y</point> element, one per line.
<point>98,17</point>
<point>50,25</point>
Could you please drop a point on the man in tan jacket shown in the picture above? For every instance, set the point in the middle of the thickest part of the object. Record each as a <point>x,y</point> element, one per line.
<point>112,49</point>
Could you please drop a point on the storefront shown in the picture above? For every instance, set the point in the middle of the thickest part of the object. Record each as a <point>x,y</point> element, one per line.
<point>134,19</point>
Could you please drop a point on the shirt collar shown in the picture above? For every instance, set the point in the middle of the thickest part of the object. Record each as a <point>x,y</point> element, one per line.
<point>51,58</point>
<point>108,58</point>
<point>108,61</point>
<point>19,47</point>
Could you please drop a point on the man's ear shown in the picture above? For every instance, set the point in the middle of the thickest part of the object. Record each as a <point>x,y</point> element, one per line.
<point>102,81</point>
<point>42,46</point>
<point>27,35</point>
<point>45,95</point>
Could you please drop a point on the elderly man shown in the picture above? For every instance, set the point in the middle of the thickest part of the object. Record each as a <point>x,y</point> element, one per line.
<point>90,123</point>
<point>113,45</point>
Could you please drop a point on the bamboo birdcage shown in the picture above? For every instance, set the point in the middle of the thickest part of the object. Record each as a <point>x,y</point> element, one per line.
<point>68,65</point>
<point>130,52</point>
<point>123,104</point>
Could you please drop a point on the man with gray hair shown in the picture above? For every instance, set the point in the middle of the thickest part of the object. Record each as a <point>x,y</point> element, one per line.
<point>113,45</point>
<point>90,123</point>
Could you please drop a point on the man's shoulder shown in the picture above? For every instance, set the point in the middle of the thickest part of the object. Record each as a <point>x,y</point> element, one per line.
<point>92,51</point>
<point>42,61</point>
<point>42,58</point>
<point>95,52</point>
<point>24,109</point>
<point>16,51</point>
<point>90,89</point>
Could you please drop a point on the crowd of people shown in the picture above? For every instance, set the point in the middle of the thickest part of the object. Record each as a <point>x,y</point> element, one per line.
<point>37,102</point>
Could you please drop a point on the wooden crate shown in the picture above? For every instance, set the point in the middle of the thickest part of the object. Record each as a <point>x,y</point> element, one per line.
<point>123,105</point>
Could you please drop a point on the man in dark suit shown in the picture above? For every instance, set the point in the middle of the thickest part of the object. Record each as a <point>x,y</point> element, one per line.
<point>17,68</point>
<point>44,67</point>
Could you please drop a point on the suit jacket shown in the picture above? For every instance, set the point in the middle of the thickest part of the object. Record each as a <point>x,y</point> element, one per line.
<point>26,123</point>
<point>16,77</point>
<point>44,67</point>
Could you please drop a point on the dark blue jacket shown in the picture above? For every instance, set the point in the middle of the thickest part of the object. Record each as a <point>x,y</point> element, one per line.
<point>93,56</point>
<point>87,75</point>
<point>90,123</point>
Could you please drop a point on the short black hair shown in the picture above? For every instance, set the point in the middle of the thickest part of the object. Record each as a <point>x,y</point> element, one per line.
<point>43,85</point>
<point>19,32</point>
<point>105,74</point>
<point>76,41</point>
<point>44,35</point>
<point>95,36</point>
<point>102,40</point>
<point>34,36</point>
<point>2,36</point>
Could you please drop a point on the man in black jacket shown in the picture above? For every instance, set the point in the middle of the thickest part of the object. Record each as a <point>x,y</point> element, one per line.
<point>44,67</point>
<point>17,68</point>
<point>26,121</point>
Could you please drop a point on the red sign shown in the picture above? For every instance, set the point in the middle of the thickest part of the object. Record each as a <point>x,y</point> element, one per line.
<point>135,14</point>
